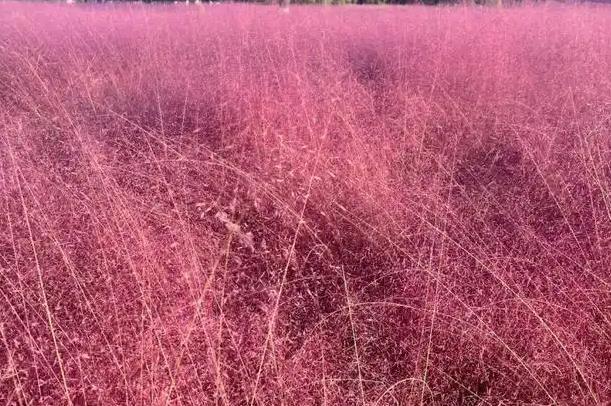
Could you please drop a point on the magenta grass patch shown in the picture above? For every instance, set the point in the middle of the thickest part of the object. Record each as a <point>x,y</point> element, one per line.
<point>237,205</point>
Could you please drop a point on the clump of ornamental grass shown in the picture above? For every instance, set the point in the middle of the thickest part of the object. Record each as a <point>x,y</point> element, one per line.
<point>234,205</point>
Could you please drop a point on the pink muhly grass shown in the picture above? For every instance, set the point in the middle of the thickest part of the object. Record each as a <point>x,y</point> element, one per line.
<point>233,205</point>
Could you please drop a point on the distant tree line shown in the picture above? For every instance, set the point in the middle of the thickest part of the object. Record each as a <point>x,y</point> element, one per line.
<point>285,3</point>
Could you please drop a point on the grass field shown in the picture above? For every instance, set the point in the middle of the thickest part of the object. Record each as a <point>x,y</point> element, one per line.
<point>235,205</point>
